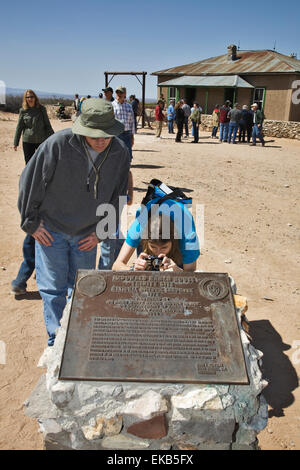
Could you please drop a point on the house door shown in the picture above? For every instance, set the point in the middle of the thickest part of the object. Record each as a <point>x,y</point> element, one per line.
<point>190,94</point>
<point>229,95</point>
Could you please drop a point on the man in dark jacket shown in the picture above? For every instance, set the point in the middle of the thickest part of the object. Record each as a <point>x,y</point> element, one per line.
<point>257,119</point>
<point>245,124</point>
<point>61,199</point>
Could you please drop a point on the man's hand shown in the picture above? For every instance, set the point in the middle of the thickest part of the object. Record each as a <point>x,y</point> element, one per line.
<point>42,236</point>
<point>89,242</point>
<point>15,148</point>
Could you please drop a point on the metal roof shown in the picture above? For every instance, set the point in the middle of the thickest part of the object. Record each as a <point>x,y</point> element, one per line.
<point>247,62</point>
<point>208,81</point>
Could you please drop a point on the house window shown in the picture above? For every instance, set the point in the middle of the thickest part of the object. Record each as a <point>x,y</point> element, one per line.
<point>172,93</point>
<point>259,97</point>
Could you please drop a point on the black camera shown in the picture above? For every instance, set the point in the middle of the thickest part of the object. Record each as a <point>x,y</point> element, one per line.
<point>154,263</point>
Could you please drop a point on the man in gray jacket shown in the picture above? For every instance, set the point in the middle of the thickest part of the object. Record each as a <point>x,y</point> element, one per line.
<point>72,173</point>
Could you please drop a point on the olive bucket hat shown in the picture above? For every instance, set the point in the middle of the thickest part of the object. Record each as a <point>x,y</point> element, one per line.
<point>97,119</point>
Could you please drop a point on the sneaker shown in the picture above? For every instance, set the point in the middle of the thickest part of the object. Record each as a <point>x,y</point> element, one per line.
<point>18,290</point>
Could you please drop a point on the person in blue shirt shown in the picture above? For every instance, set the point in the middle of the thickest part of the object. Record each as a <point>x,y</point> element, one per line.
<point>171,114</point>
<point>167,231</point>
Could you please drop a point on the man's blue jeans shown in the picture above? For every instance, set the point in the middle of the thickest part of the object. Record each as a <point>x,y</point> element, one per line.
<point>171,126</point>
<point>126,137</point>
<point>56,267</point>
<point>224,131</point>
<point>186,125</point>
<point>256,132</point>
<point>28,265</point>
<point>233,128</point>
<point>109,251</point>
<point>195,131</point>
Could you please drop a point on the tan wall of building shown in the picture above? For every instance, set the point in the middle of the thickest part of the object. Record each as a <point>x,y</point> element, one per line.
<point>278,94</point>
<point>215,96</point>
<point>244,96</point>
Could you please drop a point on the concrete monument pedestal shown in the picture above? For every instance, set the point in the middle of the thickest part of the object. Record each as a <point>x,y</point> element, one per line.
<point>148,416</point>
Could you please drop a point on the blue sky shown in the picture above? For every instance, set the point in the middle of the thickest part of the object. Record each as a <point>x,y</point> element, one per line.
<point>66,46</point>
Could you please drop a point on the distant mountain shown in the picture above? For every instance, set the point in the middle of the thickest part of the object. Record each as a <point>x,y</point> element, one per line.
<point>40,94</point>
<point>46,94</point>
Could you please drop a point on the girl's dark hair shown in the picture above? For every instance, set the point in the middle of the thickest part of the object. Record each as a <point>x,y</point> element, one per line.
<point>158,227</point>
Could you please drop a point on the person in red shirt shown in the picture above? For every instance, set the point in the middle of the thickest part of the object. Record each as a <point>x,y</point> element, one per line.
<point>224,121</point>
<point>159,117</point>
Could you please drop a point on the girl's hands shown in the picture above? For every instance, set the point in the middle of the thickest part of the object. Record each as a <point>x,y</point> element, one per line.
<point>168,264</point>
<point>141,263</point>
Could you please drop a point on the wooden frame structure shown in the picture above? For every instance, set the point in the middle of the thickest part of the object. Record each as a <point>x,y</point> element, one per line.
<point>143,83</point>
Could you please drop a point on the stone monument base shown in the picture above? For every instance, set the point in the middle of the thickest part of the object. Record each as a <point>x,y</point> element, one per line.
<point>148,416</point>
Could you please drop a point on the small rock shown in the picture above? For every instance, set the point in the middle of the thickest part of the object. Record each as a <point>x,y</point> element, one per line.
<point>290,225</point>
<point>286,185</point>
<point>3,268</point>
<point>228,261</point>
<point>270,431</point>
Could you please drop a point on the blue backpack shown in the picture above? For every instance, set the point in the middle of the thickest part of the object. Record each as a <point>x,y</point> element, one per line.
<point>161,192</point>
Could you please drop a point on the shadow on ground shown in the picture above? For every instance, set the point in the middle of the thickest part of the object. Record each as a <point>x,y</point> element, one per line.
<point>277,369</point>
<point>144,166</point>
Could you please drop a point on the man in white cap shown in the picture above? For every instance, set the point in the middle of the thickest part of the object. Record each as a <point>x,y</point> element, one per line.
<point>71,174</point>
<point>258,119</point>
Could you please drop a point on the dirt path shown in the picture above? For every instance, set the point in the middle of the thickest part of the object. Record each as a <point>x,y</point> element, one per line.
<point>251,215</point>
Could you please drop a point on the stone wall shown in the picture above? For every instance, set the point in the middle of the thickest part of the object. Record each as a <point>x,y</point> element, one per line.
<point>287,129</point>
<point>154,416</point>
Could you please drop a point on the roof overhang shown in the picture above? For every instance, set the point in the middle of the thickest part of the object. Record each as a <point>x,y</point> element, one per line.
<point>227,81</point>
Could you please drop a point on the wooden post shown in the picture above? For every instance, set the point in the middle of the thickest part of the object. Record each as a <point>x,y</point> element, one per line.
<point>143,99</point>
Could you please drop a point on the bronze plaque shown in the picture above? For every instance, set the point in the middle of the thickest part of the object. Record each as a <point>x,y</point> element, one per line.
<point>153,327</point>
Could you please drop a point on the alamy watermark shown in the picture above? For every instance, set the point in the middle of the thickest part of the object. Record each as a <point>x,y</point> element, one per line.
<point>188,222</point>
<point>2,92</point>
<point>296,93</point>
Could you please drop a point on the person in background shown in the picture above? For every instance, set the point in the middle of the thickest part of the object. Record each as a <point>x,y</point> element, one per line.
<point>35,126</point>
<point>179,120</point>
<point>100,96</point>
<point>257,119</point>
<point>135,106</point>
<point>159,118</point>
<point>82,99</point>
<point>187,112</point>
<point>108,93</point>
<point>33,123</point>
<point>224,121</point>
<point>215,121</point>
<point>245,125</point>
<point>76,104</point>
<point>235,116</point>
<point>171,116</point>
<point>196,120</point>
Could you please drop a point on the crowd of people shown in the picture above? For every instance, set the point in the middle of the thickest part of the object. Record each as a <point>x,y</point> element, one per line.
<point>69,177</point>
<point>235,124</point>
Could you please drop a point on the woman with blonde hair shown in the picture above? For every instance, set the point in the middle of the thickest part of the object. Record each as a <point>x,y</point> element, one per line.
<point>33,123</point>
<point>35,126</point>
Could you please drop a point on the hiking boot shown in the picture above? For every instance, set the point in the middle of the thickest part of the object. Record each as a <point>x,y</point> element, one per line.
<point>16,290</point>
